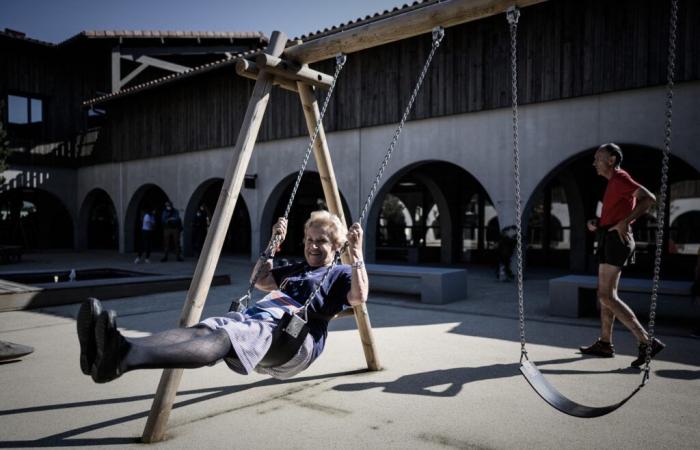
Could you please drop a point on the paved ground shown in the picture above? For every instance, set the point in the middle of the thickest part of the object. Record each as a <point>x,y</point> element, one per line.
<point>450,379</point>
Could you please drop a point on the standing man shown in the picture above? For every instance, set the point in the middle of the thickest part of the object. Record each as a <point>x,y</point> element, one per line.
<point>624,201</point>
<point>148,224</point>
<point>172,226</point>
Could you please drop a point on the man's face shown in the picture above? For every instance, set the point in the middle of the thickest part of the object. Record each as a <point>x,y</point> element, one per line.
<point>603,162</point>
<point>318,246</point>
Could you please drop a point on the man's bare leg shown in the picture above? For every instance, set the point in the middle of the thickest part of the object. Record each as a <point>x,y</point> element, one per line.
<point>608,280</point>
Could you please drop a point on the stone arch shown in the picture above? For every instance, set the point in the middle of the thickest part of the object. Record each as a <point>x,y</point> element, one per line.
<point>451,188</point>
<point>147,197</point>
<point>98,226</point>
<point>309,198</point>
<point>238,236</point>
<point>584,190</point>
<point>34,219</point>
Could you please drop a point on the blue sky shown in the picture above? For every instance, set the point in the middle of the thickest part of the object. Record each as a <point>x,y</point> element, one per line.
<point>57,20</point>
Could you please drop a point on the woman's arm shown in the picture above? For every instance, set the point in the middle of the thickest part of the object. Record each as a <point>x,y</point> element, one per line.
<point>359,285</point>
<point>265,281</point>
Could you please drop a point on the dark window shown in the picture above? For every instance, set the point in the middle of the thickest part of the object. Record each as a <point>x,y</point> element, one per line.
<point>24,110</point>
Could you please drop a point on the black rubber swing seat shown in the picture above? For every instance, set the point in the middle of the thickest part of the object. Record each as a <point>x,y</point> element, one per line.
<point>551,395</point>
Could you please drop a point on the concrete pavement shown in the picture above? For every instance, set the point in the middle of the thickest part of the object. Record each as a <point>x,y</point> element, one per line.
<point>450,379</point>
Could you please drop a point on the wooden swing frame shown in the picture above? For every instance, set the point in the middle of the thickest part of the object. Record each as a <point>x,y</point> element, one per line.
<point>288,69</point>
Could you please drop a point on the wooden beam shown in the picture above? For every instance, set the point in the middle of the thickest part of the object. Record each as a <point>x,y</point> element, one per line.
<point>293,71</point>
<point>249,69</point>
<point>159,63</point>
<point>414,22</point>
<point>330,191</point>
<point>124,81</point>
<point>201,281</point>
<point>116,70</point>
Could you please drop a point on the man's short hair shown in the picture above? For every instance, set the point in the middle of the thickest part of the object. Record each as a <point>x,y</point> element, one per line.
<point>614,151</point>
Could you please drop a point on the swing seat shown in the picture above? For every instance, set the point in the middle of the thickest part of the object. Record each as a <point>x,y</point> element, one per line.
<point>284,346</point>
<point>551,395</point>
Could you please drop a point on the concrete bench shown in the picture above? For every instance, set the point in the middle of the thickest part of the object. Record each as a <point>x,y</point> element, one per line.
<point>435,285</point>
<point>575,296</point>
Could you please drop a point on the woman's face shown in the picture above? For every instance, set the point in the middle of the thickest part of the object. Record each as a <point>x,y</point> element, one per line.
<point>318,246</point>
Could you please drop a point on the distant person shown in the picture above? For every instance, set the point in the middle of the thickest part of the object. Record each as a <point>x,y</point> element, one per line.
<point>200,225</point>
<point>148,226</point>
<point>506,247</point>
<point>624,201</point>
<point>172,228</point>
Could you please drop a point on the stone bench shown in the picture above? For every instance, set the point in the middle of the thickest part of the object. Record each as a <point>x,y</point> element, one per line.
<point>435,285</point>
<point>575,296</point>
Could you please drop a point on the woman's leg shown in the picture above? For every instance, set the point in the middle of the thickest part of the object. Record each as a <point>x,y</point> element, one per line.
<point>178,348</point>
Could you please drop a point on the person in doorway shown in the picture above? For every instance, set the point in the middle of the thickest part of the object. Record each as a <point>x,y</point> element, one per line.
<point>242,339</point>
<point>506,248</point>
<point>200,224</point>
<point>172,228</point>
<point>148,225</point>
<point>624,201</point>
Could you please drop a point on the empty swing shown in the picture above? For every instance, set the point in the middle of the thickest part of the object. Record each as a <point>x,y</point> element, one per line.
<point>528,368</point>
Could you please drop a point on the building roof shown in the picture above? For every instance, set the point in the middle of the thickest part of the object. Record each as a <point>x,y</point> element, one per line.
<point>227,61</point>
<point>155,34</point>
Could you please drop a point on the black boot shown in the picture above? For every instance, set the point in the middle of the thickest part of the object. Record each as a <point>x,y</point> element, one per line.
<point>87,318</point>
<point>111,348</point>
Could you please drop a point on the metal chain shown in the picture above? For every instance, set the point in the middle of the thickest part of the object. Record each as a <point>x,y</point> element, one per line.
<point>661,210</point>
<point>438,35</point>
<point>513,14</point>
<point>276,240</point>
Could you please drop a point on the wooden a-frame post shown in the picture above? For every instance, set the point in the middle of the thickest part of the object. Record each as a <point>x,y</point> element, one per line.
<point>209,257</point>
<point>330,191</point>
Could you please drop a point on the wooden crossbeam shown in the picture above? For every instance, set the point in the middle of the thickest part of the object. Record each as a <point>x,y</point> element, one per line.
<point>413,22</point>
<point>293,71</point>
<point>249,69</point>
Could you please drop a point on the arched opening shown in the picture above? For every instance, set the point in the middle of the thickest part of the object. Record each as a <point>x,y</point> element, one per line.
<point>309,198</point>
<point>574,189</point>
<point>99,222</point>
<point>151,198</point>
<point>35,220</point>
<point>199,213</point>
<point>423,216</point>
<point>684,219</point>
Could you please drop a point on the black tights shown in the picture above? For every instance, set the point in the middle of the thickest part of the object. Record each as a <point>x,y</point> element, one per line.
<point>178,348</point>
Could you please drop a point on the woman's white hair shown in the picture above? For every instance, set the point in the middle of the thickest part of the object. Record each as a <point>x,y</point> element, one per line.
<point>336,228</point>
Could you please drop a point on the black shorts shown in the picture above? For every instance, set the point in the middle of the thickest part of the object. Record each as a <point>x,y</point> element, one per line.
<point>611,249</point>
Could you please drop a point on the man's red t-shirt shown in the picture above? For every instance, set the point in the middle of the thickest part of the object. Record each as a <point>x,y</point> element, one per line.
<point>618,200</point>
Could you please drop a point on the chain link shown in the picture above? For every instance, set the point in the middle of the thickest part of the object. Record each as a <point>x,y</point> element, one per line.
<point>661,210</point>
<point>276,240</point>
<point>438,35</point>
<point>513,15</point>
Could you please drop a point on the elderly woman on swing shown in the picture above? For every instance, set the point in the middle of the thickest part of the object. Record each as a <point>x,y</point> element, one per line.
<point>241,339</point>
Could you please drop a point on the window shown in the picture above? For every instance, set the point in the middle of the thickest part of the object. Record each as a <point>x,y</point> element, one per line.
<point>23,110</point>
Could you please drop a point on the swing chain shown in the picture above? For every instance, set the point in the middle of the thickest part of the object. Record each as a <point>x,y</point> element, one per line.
<point>339,63</point>
<point>276,240</point>
<point>513,15</point>
<point>438,35</point>
<point>661,209</point>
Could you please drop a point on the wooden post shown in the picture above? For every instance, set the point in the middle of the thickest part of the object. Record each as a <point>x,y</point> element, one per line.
<point>192,310</point>
<point>330,191</point>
